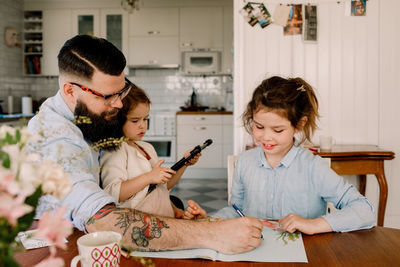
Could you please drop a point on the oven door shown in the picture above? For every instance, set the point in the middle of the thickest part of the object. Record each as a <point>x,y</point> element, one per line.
<point>165,147</point>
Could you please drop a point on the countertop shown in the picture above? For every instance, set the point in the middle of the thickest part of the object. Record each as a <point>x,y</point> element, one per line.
<point>204,113</point>
<point>4,118</point>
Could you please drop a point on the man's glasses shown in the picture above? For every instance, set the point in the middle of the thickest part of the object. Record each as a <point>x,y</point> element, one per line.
<point>109,99</point>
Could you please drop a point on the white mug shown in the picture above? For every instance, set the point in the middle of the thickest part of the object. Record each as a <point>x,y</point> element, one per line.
<point>326,142</point>
<point>98,249</point>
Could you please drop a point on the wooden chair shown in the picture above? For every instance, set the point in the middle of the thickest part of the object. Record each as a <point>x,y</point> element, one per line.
<point>231,168</point>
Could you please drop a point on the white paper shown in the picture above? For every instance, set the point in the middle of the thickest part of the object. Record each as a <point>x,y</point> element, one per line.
<point>281,14</point>
<point>272,249</point>
<point>30,242</point>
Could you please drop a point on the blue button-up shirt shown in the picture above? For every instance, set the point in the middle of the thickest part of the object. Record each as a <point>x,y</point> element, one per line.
<point>301,184</point>
<point>62,141</point>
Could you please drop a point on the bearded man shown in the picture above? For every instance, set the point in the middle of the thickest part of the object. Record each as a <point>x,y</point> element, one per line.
<point>73,122</point>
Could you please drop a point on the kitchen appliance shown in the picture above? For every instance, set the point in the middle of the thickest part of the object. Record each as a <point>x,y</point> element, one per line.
<point>165,147</point>
<point>161,134</point>
<point>201,62</point>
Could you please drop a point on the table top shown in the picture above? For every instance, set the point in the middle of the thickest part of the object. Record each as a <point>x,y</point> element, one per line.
<point>371,151</point>
<point>379,246</point>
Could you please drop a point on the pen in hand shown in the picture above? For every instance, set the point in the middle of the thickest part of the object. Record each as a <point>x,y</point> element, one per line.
<point>238,211</point>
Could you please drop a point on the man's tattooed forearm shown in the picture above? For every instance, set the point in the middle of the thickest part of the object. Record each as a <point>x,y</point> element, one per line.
<point>103,212</point>
<point>150,229</point>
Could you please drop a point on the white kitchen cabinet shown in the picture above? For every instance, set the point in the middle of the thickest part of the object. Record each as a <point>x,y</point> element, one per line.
<point>193,130</point>
<point>86,21</point>
<point>114,27</point>
<point>154,22</point>
<point>60,25</point>
<point>154,37</point>
<point>146,51</point>
<point>108,23</point>
<point>201,28</point>
<point>57,28</point>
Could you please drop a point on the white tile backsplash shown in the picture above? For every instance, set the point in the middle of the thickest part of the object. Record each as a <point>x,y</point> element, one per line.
<point>168,90</point>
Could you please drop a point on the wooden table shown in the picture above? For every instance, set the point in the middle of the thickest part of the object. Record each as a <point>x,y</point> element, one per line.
<point>362,160</point>
<point>378,246</point>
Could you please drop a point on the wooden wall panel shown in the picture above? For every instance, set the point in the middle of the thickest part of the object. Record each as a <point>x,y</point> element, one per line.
<point>354,68</point>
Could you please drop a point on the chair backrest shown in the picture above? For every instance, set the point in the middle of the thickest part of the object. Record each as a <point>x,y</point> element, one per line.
<point>231,168</point>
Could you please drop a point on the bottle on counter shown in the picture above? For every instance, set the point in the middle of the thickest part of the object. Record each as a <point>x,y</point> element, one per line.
<point>193,98</point>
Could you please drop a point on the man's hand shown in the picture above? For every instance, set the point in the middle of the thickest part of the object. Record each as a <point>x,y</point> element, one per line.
<point>293,222</point>
<point>237,235</point>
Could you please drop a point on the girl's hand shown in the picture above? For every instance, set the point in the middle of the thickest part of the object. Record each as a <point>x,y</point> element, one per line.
<point>293,222</point>
<point>193,160</point>
<point>159,174</point>
<point>194,211</point>
<point>178,213</point>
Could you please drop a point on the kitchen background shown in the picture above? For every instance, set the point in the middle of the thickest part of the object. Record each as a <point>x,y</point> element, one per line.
<point>354,65</point>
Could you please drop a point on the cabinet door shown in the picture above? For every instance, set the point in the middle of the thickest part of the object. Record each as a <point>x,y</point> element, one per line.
<point>114,27</point>
<point>57,28</point>
<point>197,134</point>
<point>154,22</point>
<point>153,51</point>
<point>86,21</point>
<point>201,27</point>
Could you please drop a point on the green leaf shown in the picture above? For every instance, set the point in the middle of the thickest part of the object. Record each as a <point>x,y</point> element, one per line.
<point>5,158</point>
<point>18,135</point>
<point>9,139</point>
<point>25,221</point>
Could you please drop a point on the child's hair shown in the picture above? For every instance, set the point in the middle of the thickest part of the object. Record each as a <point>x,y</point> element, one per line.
<point>135,96</point>
<point>292,98</point>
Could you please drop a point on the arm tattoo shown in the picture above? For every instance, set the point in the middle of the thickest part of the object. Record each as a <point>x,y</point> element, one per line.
<point>150,229</point>
<point>103,212</point>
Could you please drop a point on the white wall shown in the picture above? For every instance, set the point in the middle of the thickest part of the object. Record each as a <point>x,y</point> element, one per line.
<point>353,67</point>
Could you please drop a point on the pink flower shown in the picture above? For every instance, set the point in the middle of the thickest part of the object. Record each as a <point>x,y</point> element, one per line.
<point>13,207</point>
<point>54,228</point>
<point>8,183</point>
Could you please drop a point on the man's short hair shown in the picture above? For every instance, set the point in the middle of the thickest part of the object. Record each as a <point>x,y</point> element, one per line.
<point>82,54</point>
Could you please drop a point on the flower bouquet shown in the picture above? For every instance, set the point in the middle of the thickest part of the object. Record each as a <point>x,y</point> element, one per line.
<point>23,179</point>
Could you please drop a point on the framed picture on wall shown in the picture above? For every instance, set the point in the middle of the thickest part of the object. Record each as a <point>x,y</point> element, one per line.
<point>263,16</point>
<point>248,15</point>
<point>358,7</point>
<point>294,24</point>
<point>310,32</point>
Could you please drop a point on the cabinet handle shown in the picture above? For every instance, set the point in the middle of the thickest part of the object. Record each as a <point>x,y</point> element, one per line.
<point>153,61</point>
<point>153,32</point>
<point>186,44</point>
<point>200,128</point>
<point>199,119</point>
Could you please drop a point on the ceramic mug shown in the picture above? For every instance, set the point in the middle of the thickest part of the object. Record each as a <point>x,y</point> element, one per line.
<point>326,142</point>
<point>98,249</point>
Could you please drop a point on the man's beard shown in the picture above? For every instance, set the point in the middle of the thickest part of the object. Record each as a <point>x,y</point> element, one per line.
<point>96,129</point>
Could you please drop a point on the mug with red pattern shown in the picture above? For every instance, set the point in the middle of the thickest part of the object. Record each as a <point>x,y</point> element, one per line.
<point>98,249</point>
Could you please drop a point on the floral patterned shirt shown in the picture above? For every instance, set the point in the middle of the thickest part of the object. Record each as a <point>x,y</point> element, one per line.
<point>62,141</point>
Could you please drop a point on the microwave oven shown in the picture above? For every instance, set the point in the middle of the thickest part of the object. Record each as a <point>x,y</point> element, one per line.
<point>165,146</point>
<point>201,62</point>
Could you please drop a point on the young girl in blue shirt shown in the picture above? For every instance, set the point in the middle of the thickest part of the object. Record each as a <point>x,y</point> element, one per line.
<point>281,180</point>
